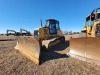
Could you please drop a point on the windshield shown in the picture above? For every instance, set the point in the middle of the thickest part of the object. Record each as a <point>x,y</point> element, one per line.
<point>55,23</point>
<point>89,23</point>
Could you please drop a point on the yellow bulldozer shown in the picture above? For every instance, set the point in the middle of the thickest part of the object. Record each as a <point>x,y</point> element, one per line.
<point>45,37</point>
<point>92,23</point>
<point>89,46</point>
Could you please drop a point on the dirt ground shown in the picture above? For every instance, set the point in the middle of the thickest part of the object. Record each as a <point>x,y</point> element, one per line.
<point>54,62</point>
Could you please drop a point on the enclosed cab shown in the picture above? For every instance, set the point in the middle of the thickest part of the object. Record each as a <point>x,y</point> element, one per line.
<point>50,29</point>
<point>92,24</point>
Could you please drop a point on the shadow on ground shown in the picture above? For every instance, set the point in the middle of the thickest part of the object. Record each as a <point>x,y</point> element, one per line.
<point>60,46</point>
<point>47,55</point>
<point>7,39</point>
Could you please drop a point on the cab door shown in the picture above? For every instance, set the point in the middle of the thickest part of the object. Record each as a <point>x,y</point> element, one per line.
<point>52,29</point>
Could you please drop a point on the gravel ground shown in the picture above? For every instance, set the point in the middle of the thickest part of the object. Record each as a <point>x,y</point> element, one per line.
<point>54,62</point>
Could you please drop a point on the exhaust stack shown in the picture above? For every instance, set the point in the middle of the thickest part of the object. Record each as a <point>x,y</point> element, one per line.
<point>41,22</point>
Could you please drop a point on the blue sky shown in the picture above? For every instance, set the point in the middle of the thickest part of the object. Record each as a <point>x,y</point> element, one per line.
<point>26,14</point>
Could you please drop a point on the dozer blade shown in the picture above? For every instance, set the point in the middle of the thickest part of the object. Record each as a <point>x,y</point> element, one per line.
<point>29,47</point>
<point>88,47</point>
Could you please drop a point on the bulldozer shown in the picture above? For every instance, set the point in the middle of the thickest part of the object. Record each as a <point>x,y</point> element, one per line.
<point>92,23</point>
<point>45,37</point>
<point>88,47</point>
